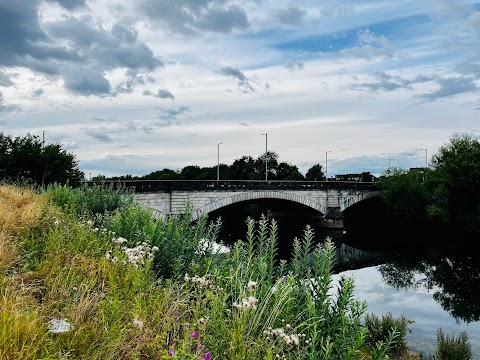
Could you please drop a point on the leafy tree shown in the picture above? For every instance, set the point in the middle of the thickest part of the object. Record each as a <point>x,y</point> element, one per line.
<point>405,194</point>
<point>315,173</point>
<point>243,168</point>
<point>191,172</point>
<point>455,183</point>
<point>286,171</point>
<point>165,174</point>
<point>26,158</point>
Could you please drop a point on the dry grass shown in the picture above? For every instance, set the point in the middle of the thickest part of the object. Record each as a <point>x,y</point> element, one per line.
<point>19,209</point>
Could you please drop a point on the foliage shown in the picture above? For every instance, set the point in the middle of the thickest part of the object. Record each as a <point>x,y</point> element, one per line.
<point>90,199</point>
<point>315,173</point>
<point>27,158</point>
<point>453,348</point>
<point>380,330</point>
<point>455,186</point>
<point>405,194</point>
<point>449,194</point>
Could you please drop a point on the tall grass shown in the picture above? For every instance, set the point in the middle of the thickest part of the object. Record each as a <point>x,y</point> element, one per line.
<point>451,347</point>
<point>133,287</point>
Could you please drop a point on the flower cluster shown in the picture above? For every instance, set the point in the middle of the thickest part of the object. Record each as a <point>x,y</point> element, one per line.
<point>200,281</point>
<point>136,255</point>
<point>289,339</point>
<point>247,303</point>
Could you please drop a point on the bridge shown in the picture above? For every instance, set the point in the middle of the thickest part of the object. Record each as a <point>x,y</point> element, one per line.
<point>169,197</point>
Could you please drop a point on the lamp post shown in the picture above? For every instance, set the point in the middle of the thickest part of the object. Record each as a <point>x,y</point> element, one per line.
<point>426,164</point>
<point>43,139</point>
<point>218,161</point>
<point>326,165</point>
<point>266,156</point>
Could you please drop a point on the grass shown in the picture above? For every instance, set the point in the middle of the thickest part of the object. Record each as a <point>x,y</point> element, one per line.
<point>135,288</point>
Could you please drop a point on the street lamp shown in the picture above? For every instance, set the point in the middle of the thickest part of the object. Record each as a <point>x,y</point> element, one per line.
<point>266,156</point>
<point>389,158</point>
<point>218,161</point>
<point>426,164</point>
<point>326,165</point>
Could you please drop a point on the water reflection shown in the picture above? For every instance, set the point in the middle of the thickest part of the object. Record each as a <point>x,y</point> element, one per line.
<point>453,278</point>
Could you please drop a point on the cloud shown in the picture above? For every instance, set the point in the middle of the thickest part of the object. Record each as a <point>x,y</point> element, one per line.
<point>290,16</point>
<point>450,87</point>
<point>5,80</point>
<point>70,145</point>
<point>37,93</point>
<point>174,113</point>
<point>386,82</point>
<point>474,21</point>
<point>78,51</point>
<point>70,4</point>
<point>87,82</point>
<point>7,108</point>
<point>370,46</point>
<point>294,65</point>
<point>446,7</point>
<point>99,135</point>
<point>243,82</point>
<point>189,17</point>
<point>161,93</point>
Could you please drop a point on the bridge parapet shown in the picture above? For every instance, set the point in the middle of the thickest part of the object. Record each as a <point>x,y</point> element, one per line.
<point>229,185</point>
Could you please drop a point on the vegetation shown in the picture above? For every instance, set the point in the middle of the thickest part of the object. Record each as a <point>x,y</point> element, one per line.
<point>448,195</point>
<point>453,348</point>
<point>380,328</point>
<point>244,168</point>
<point>27,159</point>
<point>119,285</point>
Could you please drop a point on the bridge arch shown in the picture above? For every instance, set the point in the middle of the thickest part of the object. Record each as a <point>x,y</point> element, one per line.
<point>254,195</point>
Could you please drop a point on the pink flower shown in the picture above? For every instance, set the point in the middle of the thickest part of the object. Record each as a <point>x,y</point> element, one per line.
<point>207,356</point>
<point>195,334</point>
<point>170,352</point>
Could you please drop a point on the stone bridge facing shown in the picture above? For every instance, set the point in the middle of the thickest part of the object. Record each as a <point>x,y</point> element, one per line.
<point>167,198</point>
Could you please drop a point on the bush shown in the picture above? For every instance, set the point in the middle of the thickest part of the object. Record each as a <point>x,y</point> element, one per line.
<point>379,330</point>
<point>453,348</point>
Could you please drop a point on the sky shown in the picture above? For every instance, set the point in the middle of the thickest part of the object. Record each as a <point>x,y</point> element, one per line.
<point>132,87</point>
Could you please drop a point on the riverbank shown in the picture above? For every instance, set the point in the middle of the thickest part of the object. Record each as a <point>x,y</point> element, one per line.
<point>77,283</point>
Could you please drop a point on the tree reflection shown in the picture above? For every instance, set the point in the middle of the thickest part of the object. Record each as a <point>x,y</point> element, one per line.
<point>455,280</point>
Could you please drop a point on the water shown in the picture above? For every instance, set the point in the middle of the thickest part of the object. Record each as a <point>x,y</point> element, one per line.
<point>416,304</point>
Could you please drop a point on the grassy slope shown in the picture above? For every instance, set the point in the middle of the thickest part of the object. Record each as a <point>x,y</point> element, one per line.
<point>53,265</point>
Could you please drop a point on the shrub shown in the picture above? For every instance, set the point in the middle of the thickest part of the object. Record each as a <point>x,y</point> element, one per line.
<point>380,328</point>
<point>453,348</point>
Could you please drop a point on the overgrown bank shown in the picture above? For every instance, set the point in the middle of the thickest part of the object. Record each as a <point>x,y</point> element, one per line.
<point>89,274</point>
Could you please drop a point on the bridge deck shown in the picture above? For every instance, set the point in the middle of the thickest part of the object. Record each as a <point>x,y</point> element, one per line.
<point>208,185</point>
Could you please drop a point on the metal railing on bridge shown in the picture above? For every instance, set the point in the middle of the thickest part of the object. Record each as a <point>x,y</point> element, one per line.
<point>208,185</point>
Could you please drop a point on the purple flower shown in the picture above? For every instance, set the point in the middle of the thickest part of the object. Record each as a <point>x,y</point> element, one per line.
<point>195,334</point>
<point>170,352</point>
<point>207,356</point>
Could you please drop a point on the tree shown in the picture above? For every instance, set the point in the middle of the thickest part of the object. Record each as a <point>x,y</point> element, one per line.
<point>286,171</point>
<point>26,158</point>
<point>455,184</point>
<point>315,173</point>
<point>405,194</point>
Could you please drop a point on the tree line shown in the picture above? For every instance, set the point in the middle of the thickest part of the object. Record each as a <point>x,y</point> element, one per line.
<point>447,194</point>
<point>243,168</point>
<point>28,159</point>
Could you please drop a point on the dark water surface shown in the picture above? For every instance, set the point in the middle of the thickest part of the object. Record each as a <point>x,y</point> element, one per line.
<point>427,276</point>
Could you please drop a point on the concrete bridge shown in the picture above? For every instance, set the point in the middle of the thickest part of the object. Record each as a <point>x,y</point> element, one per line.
<point>172,196</point>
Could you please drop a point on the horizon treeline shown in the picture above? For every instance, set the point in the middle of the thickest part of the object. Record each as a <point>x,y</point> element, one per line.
<point>243,168</point>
